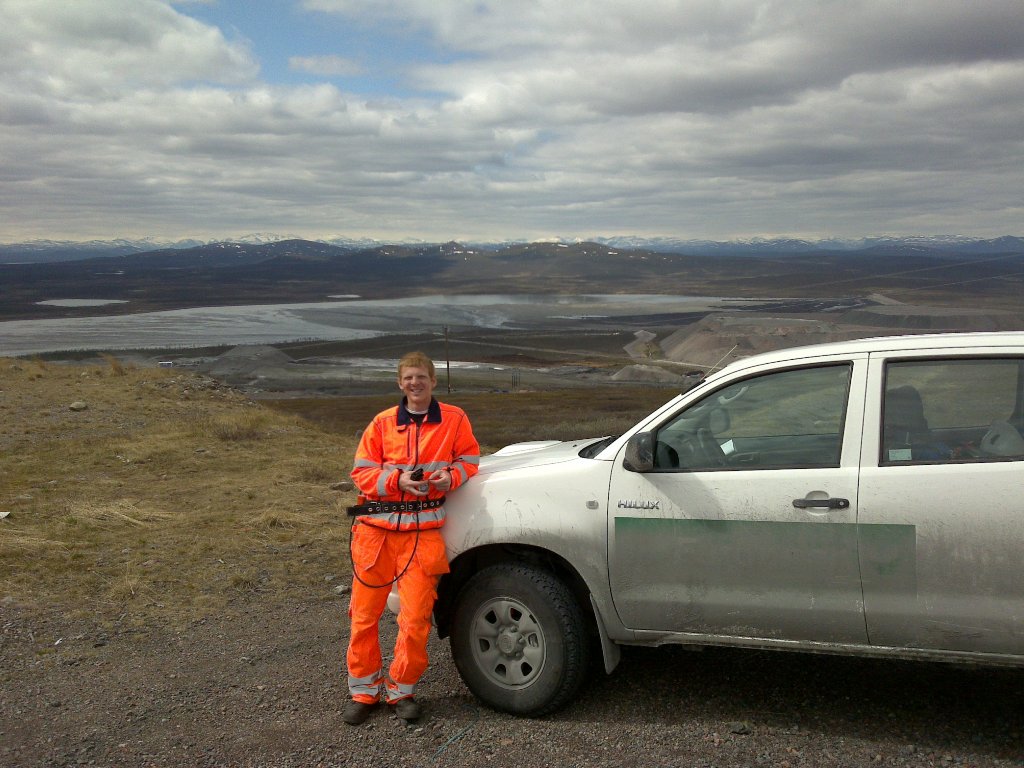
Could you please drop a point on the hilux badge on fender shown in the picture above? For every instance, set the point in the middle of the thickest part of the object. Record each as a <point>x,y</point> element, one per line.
<point>631,504</point>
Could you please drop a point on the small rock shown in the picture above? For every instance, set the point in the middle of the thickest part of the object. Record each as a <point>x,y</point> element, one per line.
<point>342,589</point>
<point>78,405</point>
<point>739,728</point>
<point>344,485</point>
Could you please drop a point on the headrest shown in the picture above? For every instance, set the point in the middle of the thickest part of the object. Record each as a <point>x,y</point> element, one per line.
<point>1002,440</point>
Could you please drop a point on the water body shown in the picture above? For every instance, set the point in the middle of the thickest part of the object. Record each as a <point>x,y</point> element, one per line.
<point>336,320</point>
<point>81,302</point>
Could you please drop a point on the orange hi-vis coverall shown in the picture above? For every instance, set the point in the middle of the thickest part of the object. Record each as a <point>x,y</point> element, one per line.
<point>400,541</point>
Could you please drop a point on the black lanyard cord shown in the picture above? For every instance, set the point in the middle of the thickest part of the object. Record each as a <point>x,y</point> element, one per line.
<point>352,560</point>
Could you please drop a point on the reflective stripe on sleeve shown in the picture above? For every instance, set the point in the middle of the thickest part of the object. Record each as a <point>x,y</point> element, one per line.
<point>463,474</point>
<point>382,481</point>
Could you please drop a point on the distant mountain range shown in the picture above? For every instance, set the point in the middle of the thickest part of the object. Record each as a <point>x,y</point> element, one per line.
<point>136,277</point>
<point>50,251</point>
<point>950,243</point>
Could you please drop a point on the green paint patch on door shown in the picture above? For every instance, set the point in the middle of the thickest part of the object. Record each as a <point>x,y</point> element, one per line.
<point>755,554</point>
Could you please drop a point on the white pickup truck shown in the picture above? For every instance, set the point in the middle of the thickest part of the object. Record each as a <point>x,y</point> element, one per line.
<point>862,497</point>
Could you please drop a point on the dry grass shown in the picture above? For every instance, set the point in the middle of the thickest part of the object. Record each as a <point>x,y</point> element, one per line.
<point>167,496</point>
<point>14,544</point>
<point>251,425</point>
<point>112,515</point>
<point>117,368</point>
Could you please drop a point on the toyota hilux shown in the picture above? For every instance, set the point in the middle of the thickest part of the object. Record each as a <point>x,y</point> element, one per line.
<point>862,497</point>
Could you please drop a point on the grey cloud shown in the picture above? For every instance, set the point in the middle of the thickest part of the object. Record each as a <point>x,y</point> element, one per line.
<point>690,119</point>
<point>19,109</point>
<point>692,59</point>
<point>929,32</point>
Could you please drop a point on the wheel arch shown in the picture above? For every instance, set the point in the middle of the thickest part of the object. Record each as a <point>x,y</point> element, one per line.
<point>472,561</point>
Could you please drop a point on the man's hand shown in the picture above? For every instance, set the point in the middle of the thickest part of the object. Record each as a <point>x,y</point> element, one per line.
<point>409,485</point>
<point>441,479</point>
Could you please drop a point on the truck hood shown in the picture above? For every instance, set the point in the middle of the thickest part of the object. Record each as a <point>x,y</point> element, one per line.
<point>532,454</point>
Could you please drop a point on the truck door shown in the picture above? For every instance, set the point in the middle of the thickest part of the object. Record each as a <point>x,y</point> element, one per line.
<point>942,534</point>
<point>746,525</point>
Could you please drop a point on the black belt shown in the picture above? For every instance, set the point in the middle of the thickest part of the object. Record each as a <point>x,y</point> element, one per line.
<point>382,507</point>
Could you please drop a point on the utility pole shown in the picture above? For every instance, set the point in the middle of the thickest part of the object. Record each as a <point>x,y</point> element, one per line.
<point>447,360</point>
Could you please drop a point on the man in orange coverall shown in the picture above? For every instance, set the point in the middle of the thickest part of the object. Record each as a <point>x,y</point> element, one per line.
<point>409,457</point>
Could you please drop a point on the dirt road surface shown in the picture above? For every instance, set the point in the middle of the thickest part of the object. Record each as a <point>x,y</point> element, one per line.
<point>264,687</point>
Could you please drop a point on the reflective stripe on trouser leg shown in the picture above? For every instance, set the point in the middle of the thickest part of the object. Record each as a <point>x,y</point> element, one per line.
<point>417,591</point>
<point>395,691</point>
<point>366,689</point>
<point>365,665</point>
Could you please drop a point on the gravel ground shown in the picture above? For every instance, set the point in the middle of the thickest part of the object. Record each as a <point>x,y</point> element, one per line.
<point>264,687</point>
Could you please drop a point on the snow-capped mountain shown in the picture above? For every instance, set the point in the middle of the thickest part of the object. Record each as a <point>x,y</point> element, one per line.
<point>45,251</point>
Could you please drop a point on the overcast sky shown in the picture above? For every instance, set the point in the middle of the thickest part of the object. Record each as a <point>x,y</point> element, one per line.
<point>518,119</point>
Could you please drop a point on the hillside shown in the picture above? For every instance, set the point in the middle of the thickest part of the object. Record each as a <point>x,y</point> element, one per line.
<point>134,494</point>
<point>303,271</point>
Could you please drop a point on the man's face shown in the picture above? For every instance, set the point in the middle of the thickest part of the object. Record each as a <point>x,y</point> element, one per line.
<point>417,385</point>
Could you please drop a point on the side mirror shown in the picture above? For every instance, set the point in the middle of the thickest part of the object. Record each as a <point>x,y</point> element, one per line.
<point>639,455</point>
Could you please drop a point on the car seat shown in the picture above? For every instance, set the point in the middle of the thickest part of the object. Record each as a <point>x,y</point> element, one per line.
<point>1002,439</point>
<point>906,434</point>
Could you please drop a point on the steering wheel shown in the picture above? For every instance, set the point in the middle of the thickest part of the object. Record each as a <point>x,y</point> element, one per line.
<point>710,448</point>
<point>726,399</point>
<point>665,456</point>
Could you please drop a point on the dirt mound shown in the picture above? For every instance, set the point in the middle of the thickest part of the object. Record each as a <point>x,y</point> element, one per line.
<point>721,338</point>
<point>246,361</point>
<point>646,373</point>
<point>641,347</point>
<point>905,318</point>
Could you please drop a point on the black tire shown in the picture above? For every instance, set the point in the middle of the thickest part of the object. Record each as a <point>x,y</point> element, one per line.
<point>519,640</point>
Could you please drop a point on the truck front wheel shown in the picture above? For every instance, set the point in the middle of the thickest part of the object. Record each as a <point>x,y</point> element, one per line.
<point>519,640</point>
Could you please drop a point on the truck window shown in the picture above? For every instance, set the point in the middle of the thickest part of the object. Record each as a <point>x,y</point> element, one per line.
<point>940,411</point>
<point>788,419</point>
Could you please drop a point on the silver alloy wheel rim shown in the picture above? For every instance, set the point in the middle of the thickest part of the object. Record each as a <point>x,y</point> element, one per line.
<point>508,643</point>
